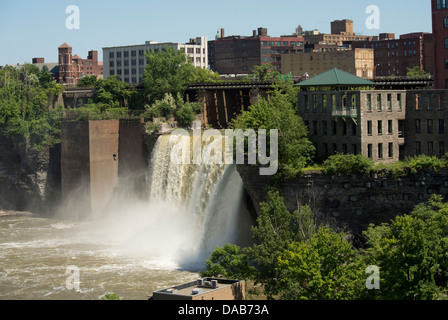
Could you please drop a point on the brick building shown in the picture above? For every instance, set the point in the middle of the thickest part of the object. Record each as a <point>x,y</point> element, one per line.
<point>394,56</point>
<point>341,32</point>
<point>239,54</point>
<point>440,32</point>
<point>359,62</point>
<point>72,67</point>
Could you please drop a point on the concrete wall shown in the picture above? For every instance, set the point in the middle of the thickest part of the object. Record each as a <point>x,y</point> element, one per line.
<point>351,203</point>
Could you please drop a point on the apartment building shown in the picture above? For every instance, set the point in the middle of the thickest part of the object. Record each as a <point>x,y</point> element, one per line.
<point>341,32</point>
<point>359,62</point>
<point>394,56</point>
<point>239,54</point>
<point>129,62</point>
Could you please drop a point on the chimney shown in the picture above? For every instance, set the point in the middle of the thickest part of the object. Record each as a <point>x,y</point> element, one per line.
<point>254,33</point>
<point>222,33</point>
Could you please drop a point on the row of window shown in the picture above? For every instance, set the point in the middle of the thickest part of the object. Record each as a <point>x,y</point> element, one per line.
<point>335,148</point>
<point>325,129</point>
<point>119,63</point>
<point>391,44</point>
<point>281,44</point>
<point>126,71</point>
<point>430,151</point>
<point>380,129</point>
<point>430,126</point>
<point>380,151</point>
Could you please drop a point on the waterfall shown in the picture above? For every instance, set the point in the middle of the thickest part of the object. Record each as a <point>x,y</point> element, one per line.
<point>203,202</point>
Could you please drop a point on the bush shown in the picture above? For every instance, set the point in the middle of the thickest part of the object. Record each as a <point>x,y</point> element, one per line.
<point>347,164</point>
<point>185,115</point>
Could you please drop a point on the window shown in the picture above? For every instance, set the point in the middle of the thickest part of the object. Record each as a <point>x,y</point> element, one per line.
<point>400,104</point>
<point>141,52</point>
<point>334,127</point>
<point>418,148</point>
<point>370,151</point>
<point>380,151</point>
<point>118,54</point>
<point>430,148</point>
<point>315,128</point>
<point>418,128</point>
<point>391,150</point>
<point>390,127</point>
<point>441,126</point>
<point>344,128</point>
<point>126,55</point>
<point>354,149</point>
<point>446,63</point>
<point>134,53</point>
<point>111,55</point>
<point>380,127</point>
<point>324,128</point>
<point>344,148</point>
<point>369,102</point>
<point>354,129</point>
<point>111,63</point>
<point>445,23</point>
<point>442,4</point>
<point>379,105</point>
<point>369,128</point>
<point>441,149</point>
<point>389,102</point>
<point>430,126</point>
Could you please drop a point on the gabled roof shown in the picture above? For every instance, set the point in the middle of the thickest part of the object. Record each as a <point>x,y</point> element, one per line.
<point>335,77</point>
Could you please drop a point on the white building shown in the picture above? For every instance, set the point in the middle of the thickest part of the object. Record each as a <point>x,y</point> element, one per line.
<point>129,61</point>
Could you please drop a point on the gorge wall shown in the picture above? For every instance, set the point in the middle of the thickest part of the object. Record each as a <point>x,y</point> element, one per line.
<point>350,203</point>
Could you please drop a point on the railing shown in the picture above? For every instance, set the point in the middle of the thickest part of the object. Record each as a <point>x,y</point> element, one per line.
<point>345,113</point>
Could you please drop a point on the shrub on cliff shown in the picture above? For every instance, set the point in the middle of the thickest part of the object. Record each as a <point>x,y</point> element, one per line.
<point>347,164</point>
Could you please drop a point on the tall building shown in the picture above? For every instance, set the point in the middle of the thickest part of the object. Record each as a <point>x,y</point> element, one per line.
<point>359,62</point>
<point>72,67</point>
<point>395,56</point>
<point>440,33</point>
<point>341,33</point>
<point>239,54</point>
<point>129,62</point>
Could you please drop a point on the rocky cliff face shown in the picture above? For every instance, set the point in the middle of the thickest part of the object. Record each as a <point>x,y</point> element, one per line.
<point>29,180</point>
<point>351,203</point>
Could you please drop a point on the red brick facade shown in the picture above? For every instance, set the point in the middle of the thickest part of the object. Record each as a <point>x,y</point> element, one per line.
<point>440,32</point>
<point>73,68</point>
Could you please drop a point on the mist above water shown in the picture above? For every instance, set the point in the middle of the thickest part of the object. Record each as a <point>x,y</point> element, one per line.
<point>189,210</point>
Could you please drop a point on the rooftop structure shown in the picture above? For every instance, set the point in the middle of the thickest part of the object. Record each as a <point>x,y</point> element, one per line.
<point>204,289</point>
<point>239,54</point>
<point>129,61</point>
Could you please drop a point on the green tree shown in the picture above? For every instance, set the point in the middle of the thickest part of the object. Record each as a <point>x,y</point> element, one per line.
<point>325,268</point>
<point>264,72</point>
<point>167,71</point>
<point>185,115</point>
<point>89,81</point>
<point>416,73</point>
<point>275,230</point>
<point>294,148</point>
<point>412,253</point>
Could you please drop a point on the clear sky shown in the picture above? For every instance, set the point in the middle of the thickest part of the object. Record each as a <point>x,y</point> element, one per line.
<point>30,28</point>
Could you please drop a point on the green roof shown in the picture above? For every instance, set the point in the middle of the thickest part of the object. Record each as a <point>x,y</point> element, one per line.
<point>335,77</point>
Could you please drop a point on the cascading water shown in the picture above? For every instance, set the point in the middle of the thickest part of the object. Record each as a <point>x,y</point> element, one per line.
<point>203,202</point>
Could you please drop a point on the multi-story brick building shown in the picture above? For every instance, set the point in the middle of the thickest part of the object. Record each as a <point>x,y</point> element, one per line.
<point>239,54</point>
<point>440,32</point>
<point>73,68</point>
<point>395,56</point>
<point>129,61</point>
<point>341,32</point>
<point>384,125</point>
<point>359,62</point>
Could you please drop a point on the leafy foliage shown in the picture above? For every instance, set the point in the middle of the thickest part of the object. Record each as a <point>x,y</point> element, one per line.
<point>412,253</point>
<point>346,164</point>
<point>326,268</point>
<point>294,148</point>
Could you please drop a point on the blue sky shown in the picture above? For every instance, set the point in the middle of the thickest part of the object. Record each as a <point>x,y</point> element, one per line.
<point>30,28</point>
